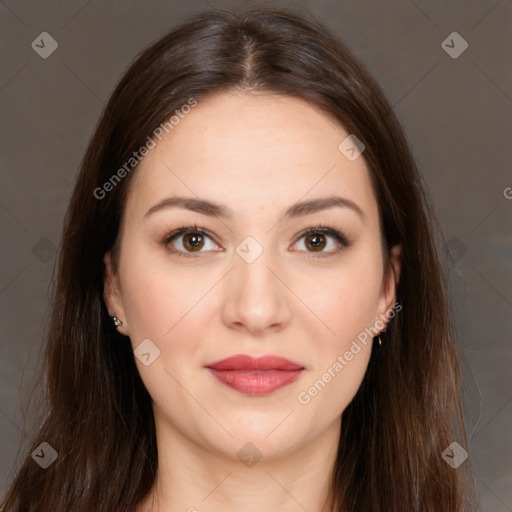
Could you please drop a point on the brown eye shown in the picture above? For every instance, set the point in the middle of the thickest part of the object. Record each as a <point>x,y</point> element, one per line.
<point>193,241</point>
<point>189,240</point>
<point>317,239</point>
<point>316,242</point>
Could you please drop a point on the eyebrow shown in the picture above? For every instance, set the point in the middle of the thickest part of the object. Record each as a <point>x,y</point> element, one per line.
<point>213,209</point>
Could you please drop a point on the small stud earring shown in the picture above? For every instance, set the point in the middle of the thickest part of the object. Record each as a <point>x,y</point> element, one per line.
<point>117,322</point>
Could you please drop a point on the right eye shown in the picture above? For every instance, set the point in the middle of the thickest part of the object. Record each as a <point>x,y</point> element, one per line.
<point>187,240</point>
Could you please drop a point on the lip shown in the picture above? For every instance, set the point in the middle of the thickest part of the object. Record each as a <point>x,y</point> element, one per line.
<point>248,363</point>
<point>256,376</point>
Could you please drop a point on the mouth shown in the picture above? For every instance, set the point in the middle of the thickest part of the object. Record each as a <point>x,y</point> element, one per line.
<point>256,376</point>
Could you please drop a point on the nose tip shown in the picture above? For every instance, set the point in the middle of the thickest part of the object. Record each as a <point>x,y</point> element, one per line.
<point>256,299</point>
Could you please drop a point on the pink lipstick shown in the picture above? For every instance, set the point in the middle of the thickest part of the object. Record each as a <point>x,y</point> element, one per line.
<point>256,376</point>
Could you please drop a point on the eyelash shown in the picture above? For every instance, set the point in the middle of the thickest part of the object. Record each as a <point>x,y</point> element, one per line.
<point>320,229</point>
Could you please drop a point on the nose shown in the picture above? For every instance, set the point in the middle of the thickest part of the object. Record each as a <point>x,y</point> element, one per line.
<point>257,299</point>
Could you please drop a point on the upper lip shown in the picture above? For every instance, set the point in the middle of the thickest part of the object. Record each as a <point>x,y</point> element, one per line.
<point>245,362</point>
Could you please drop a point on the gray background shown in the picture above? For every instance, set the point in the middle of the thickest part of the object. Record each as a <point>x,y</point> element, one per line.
<point>456,112</point>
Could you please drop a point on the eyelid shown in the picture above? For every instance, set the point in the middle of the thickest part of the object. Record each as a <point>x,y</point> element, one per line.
<point>341,239</point>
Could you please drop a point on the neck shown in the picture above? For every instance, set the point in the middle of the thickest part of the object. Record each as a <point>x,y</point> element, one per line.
<point>196,478</point>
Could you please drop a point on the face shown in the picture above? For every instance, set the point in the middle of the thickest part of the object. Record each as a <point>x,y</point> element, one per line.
<point>243,278</point>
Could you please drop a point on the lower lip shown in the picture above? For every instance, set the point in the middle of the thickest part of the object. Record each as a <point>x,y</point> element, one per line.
<point>256,382</point>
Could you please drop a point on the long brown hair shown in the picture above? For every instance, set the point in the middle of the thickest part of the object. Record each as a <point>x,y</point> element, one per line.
<point>96,411</point>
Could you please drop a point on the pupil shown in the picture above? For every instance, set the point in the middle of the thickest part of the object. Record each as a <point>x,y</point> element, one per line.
<point>195,238</point>
<point>317,243</point>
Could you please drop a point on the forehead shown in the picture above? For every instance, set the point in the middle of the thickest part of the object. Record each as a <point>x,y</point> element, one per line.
<point>251,151</point>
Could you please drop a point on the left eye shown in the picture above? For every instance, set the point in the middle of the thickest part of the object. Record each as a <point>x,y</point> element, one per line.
<point>315,238</point>
<point>189,240</point>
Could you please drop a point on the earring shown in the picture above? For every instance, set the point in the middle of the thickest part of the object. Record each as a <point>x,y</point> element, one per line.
<point>380,342</point>
<point>117,322</point>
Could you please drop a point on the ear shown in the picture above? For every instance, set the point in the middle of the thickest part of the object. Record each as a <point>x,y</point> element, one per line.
<point>389,286</point>
<point>112,294</point>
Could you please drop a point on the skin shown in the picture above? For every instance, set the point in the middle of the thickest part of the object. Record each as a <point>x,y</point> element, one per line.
<point>257,154</point>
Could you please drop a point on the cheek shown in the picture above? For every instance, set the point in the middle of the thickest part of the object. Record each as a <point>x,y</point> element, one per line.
<point>343,302</point>
<point>349,368</point>
<point>346,306</point>
<point>149,309</point>
<point>154,299</point>
<point>167,306</point>
<point>167,309</point>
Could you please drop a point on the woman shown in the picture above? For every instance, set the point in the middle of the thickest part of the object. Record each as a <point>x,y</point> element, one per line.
<point>250,311</point>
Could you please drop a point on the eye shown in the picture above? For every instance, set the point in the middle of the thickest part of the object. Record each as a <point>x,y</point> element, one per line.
<point>316,239</point>
<point>188,240</point>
